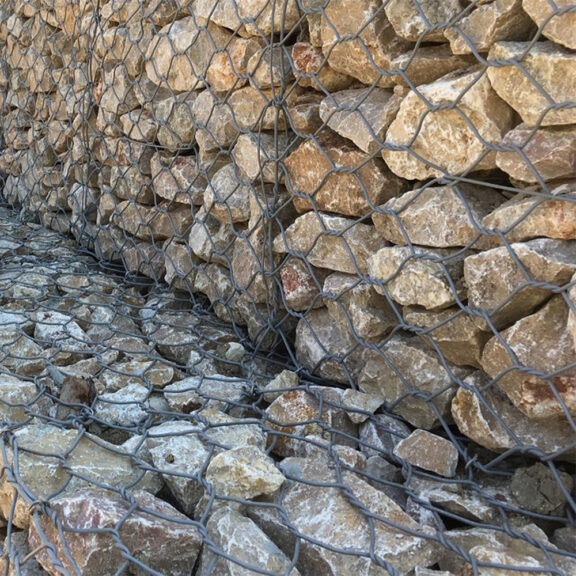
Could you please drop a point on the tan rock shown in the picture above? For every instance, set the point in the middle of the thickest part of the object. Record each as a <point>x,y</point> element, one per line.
<point>304,113</point>
<point>227,198</point>
<point>211,240</point>
<point>142,372</point>
<point>181,266</point>
<point>539,155</point>
<point>173,115</point>
<point>262,19</point>
<point>178,179</point>
<point>330,174</point>
<point>560,24</point>
<point>501,289</point>
<point>541,87</point>
<point>128,183</point>
<point>301,284</point>
<point>330,242</point>
<point>488,23</point>
<point>540,343</point>
<point>442,139</point>
<point>118,94</point>
<point>259,156</point>
<point>251,110</point>
<point>437,216</point>
<point>528,216</point>
<point>215,128</point>
<point>270,67</point>
<point>360,406</point>
<point>221,12</point>
<point>144,258</point>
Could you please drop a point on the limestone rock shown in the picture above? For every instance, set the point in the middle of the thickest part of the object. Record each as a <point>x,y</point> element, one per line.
<point>301,284</point>
<point>259,156</point>
<point>146,373</point>
<point>559,25</point>
<point>360,406</point>
<point>260,18</point>
<point>270,67</point>
<point>330,242</point>
<point>429,452</point>
<point>128,183</point>
<point>281,383</point>
<point>180,53</point>
<point>17,560</point>
<point>532,88</point>
<point>227,198</point>
<point>173,116</point>
<point>221,12</point>
<point>361,115</point>
<point>19,353</point>
<point>329,174</point>
<point>411,379</point>
<point>542,343</point>
<point>488,23</point>
<point>304,113</point>
<point>17,397</point>
<point>83,537</point>
<point>441,141</point>
<point>124,407</point>
<point>539,155</point>
<point>380,435</point>
<point>428,277</point>
<point>437,216</point>
<point>215,128</point>
<point>178,179</point>
<point>181,266</point>
<point>425,20</point>
<point>501,289</point>
<point>251,109</point>
<point>144,258</point>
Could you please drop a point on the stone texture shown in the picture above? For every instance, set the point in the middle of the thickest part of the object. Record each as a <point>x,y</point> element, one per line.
<point>327,173</point>
<point>270,67</point>
<point>437,216</point>
<point>360,406</point>
<point>173,117</point>
<point>524,87</point>
<point>215,128</point>
<point>501,289</point>
<point>301,284</point>
<point>178,179</point>
<point>380,434</point>
<point>559,25</point>
<point>181,266</point>
<point>261,19</point>
<point>259,156</point>
<point>227,198</point>
<point>442,141</point>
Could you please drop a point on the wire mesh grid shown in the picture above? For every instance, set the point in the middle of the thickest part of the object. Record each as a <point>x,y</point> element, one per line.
<point>286,287</point>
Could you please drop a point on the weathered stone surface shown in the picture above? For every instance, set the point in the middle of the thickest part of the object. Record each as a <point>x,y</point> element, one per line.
<point>356,306</point>
<point>142,372</point>
<point>486,416</point>
<point>259,156</point>
<point>173,116</point>
<point>429,452</point>
<point>227,198</point>
<point>215,128</point>
<point>16,395</point>
<point>302,284</point>
<point>20,353</point>
<point>542,343</point>
<point>428,277</point>
<point>178,178</point>
<point>360,406</point>
<point>380,435</point>
<point>283,382</point>
<point>458,337</point>
<point>144,258</point>
<point>240,538</point>
<point>124,407</point>
<point>139,124</point>
<point>251,110</point>
<point>330,242</point>
<point>16,560</point>
<point>437,216</point>
<point>304,113</point>
<point>532,87</point>
<point>527,216</point>
<point>488,23</point>
<point>155,534</point>
<point>425,20</point>
<point>181,265</point>
<point>329,174</point>
<point>501,289</point>
<point>260,18</point>
<point>270,67</point>
<point>180,53</point>
<point>411,379</point>
<point>441,141</point>
<point>560,24</point>
<point>128,183</point>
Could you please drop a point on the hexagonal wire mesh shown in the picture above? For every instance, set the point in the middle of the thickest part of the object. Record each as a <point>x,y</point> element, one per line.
<point>286,287</point>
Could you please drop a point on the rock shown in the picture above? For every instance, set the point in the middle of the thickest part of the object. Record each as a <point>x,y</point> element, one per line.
<point>503,291</point>
<point>530,87</point>
<point>360,406</point>
<point>144,258</point>
<point>356,306</point>
<point>361,115</point>
<point>538,155</point>
<point>243,473</point>
<point>180,53</point>
<point>21,354</point>
<point>270,67</point>
<point>227,198</point>
<point>488,23</point>
<point>83,538</point>
<point>381,434</point>
<point>173,116</point>
<point>214,120</point>
<point>304,113</point>
<point>429,452</point>
<point>541,344</point>
<point>283,382</point>
<point>327,173</point>
<point>147,373</point>
<point>437,216</point>
<point>527,216</point>
<point>330,242</point>
<point>178,179</point>
<point>411,379</point>
<point>126,407</point>
<point>423,21</point>
<point>18,398</point>
<point>301,284</point>
<point>128,183</point>
<point>565,538</point>
<point>486,416</point>
<point>541,489</point>
<point>441,142</point>
<point>252,111</point>
<point>452,331</point>
<point>428,277</point>
<point>221,12</point>
<point>559,25</point>
<point>16,560</point>
<point>258,156</point>
<point>181,266</point>
<point>262,19</point>
<point>240,538</point>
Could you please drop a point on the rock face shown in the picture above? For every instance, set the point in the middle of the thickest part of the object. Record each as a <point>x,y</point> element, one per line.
<point>559,26</point>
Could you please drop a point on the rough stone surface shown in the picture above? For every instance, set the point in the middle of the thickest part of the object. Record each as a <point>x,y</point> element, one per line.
<point>559,26</point>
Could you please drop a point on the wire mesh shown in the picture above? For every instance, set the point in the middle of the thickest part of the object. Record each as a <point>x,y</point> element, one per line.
<point>287,287</point>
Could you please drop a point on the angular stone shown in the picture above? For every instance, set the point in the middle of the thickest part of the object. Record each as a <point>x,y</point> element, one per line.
<point>180,53</point>
<point>380,435</point>
<point>251,110</point>
<point>540,343</point>
<point>147,373</point>
<point>539,155</point>
<point>356,306</point>
<point>540,88</point>
<point>178,179</point>
<point>423,21</point>
<point>327,173</point>
<point>144,258</point>
<point>301,284</point>
<point>559,25</point>
<point>304,113</point>
<point>128,183</point>
<point>437,216</point>
<point>501,289</point>
<point>84,537</point>
<point>489,23</point>
<point>459,339</point>
<point>527,216</point>
<point>360,406</point>
<point>442,141</point>
<point>227,197</point>
<point>17,397</point>
<point>259,156</point>
<point>21,354</point>
<point>181,266</point>
<point>240,538</point>
<point>411,379</point>
<point>428,277</point>
<point>221,12</point>
<point>429,452</point>
<point>174,119</point>
<point>118,94</point>
<point>215,128</point>
<point>270,67</point>
<point>124,407</point>
<point>262,19</point>
<point>17,560</point>
<point>330,242</point>
<point>212,240</point>
<point>283,382</point>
